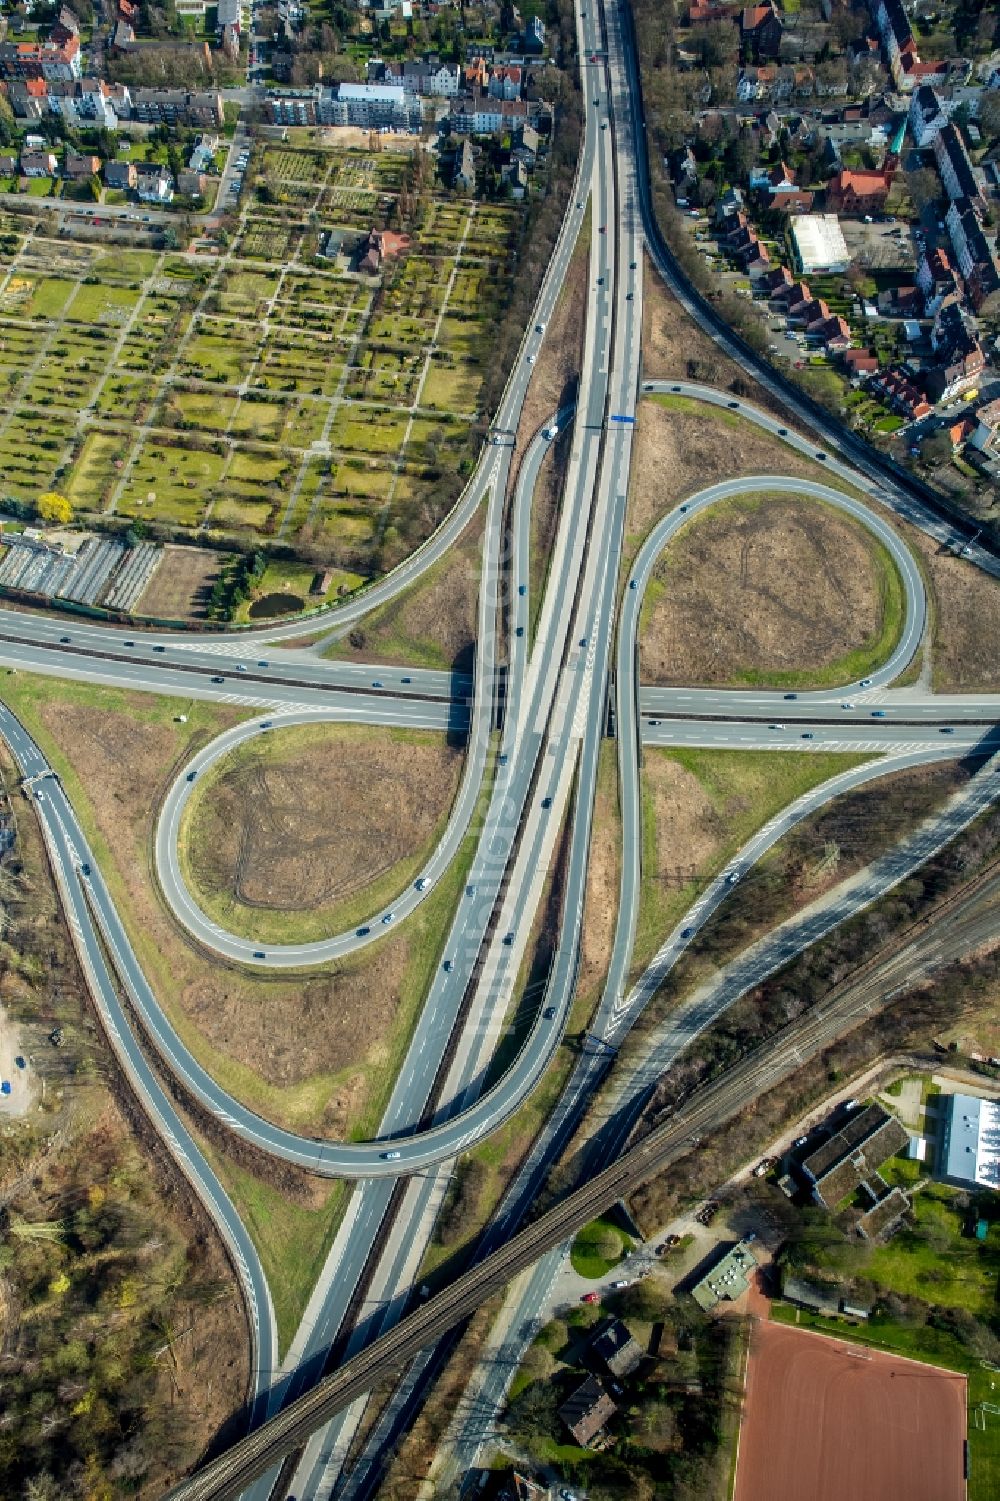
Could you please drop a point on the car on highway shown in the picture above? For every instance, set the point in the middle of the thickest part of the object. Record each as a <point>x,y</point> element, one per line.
<point>947,729</point>
<point>539,328</point>
<point>522,589</point>
<point>377,683</point>
<point>622,1282</point>
<point>406,680</point>
<point>687,932</point>
<point>446,966</point>
<point>191,775</point>
<point>732,878</point>
<point>865,683</point>
<point>388,918</point>
<point>470,890</point>
<point>632,265</point>
<point>629,296</point>
<point>128,643</point>
<point>633,584</point>
<point>391,1156</point>
<point>85,869</point>
<point>604,124</point>
<point>549,1013</point>
<point>64,640</point>
<point>259,954</point>
<point>218,679</point>
<point>362,932</point>
<point>782,432</point>
<point>602,229</point>
<point>263,664</point>
<point>878,713</point>
<point>531,359</point>
<point>546,802</point>
<point>159,648</point>
<point>776,726</point>
<point>808,735</point>
<point>241,667</point>
<point>847,705</point>
<point>424,883</point>
<point>19,1062</point>
<point>519,631</point>
<point>791,695</point>
<point>591,1298</point>
<point>820,454</point>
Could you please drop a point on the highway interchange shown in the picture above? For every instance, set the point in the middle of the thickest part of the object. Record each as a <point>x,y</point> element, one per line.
<point>540,777</point>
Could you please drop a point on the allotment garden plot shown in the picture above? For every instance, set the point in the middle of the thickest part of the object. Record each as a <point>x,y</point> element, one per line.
<point>268,391</point>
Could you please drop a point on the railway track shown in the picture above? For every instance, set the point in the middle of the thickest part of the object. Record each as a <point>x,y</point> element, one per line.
<point>970,914</point>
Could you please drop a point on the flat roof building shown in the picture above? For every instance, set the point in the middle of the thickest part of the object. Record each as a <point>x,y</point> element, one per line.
<point>853,1155</point>
<point>728,1279</point>
<point>970,1142</point>
<point>818,244</point>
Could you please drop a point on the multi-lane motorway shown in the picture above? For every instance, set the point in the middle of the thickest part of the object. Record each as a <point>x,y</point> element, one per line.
<point>539,775</point>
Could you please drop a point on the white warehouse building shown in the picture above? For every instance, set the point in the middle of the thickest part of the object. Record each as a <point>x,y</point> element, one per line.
<point>818,244</point>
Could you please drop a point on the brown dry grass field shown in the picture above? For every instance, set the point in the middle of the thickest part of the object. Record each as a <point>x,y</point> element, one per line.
<point>431,624</point>
<point>682,446</point>
<point>674,347</point>
<point>309,1053</point>
<point>600,912</point>
<point>756,588</point>
<point>180,587</point>
<point>557,371</point>
<point>965,606</point>
<point>302,832</point>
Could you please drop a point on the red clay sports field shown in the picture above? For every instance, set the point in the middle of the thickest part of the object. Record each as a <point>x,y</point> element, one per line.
<point>828,1421</point>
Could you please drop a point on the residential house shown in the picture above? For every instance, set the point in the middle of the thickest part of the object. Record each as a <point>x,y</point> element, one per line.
<point>834,333</point>
<point>975,256</point>
<point>856,193</point>
<point>120,175</point>
<point>936,279</point>
<point>477,76</point>
<point>959,357</point>
<point>526,145</point>
<point>897,39</point>
<point>613,1349</point>
<point>533,37</point>
<point>728,205</point>
<point>515,175</point>
<point>927,113</point>
<point>191,182</point>
<point>899,392</point>
<point>176,107</point>
<point>38,164</point>
<point>587,1411</point>
<point>960,178</point>
<point>986,435</point>
<point>478,114</point>
<point>53,61</point>
<point>900,302</point>
<point>858,362</point>
<point>154,184</point>
<point>760,31</point>
<point>8,165</point>
<point>28,98</point>
<point>123,36</point>
<point>66,26</point>
<point>229,13</point>
<point>792,201</point>
<point>505,82</point>
<point>463,175</point>
<point>776,283</point>
<point>78,165</point>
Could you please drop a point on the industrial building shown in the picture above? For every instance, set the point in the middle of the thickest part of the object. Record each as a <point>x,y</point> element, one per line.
<point>970,1142</point>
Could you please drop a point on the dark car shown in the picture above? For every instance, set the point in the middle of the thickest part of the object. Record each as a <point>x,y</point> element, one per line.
<point>549,1013</point>
<point>522,588</point>
<point>128,643</point>
<point>377,683</point>
<point>259,954</point>
<point>159,648</point>
<point>64,640</point>
<point>406,680</point>
<point>508,939</point>
<point>218,679</point>
<point>191,775</point>
<point>362,932</point>
<point>546,802</point>
<point>519,631</point>
<point>263,664</point>
<point>791,695</point>
<point>446,966</point>
<point>85,869</point>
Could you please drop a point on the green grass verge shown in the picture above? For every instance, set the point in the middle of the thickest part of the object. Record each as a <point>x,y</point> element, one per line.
<point>276,925</point>
<point>859,663</point>
<point>746,788</point>
<point>934,1347</point>
<point>292,1241</point>
<point>597,1248</point>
